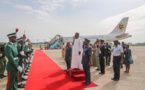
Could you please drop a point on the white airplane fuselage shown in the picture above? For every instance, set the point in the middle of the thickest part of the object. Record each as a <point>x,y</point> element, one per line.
<point>118,33</point>
<point>108,37</point>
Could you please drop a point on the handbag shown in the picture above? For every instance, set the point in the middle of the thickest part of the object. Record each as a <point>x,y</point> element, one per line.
<point>131,61</point>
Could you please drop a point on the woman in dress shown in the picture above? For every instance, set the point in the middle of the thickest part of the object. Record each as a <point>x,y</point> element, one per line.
<point>127,57</point>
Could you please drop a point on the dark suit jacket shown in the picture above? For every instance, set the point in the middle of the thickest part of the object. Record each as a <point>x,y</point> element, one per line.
<point>68,53</point>
<point>102,49</point>
<point>108,52</point>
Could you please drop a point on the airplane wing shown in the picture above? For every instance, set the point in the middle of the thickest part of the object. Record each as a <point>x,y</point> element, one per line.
<point>123,36</point>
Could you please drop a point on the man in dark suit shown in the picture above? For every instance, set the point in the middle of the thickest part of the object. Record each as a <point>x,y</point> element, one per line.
<point>108,54</point>
<point>68,55</point>
<point>86,61</point>
<point>102,57</point>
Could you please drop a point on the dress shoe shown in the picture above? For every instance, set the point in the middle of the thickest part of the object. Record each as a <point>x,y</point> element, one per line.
<point>101,73</point>
<point>86,83</point>
<point>25,74</point>
<point>21,86</point>
<point>28,68</point>
<point>76,69</point>
<point>114,79</point>
<point>24,79</point>
<point>98,69</point>
<point>26,71</point>
<point>4,75</point>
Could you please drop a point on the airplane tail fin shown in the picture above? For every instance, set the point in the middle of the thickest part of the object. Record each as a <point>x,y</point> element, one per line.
<point>121,26</point>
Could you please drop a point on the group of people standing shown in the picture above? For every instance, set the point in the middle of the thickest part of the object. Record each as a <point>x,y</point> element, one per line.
<point>2,62</point>
<point>78,56</point>
<point>17,52</point>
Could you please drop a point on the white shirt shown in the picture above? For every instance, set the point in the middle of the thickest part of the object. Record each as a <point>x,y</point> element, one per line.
<point>117,50</point>
<point>97,49</point>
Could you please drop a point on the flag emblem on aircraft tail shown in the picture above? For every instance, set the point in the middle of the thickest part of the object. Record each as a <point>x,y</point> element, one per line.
<point>121,26</point>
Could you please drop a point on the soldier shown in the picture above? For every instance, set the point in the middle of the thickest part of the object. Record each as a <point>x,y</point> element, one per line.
<point>21,56</point>
<point>2,62</point>
<point>30,50</point>
<point>13,67</point>
<point>102,57</point>
<point>27,58</point>
<point>86,61</point>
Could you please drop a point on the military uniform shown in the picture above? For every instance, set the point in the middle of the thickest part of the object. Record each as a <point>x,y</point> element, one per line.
<point>27,55</point>
<point>2,63</point>
<point>21,56</point>
<point>87,53</point>
<point>11,53</point>
<point>12,65</point>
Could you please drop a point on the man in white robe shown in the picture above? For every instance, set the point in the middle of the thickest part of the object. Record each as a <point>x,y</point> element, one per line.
<point>97,54</point>
<point>63,50</point>
<point>77,49</point>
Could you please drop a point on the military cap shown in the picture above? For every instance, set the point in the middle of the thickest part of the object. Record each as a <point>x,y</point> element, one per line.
<point>87,40</point>
<point>20,39</point>
<point>12,34</point>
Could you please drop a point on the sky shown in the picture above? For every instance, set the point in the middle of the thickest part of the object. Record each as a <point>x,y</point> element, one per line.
<point>41,20</point>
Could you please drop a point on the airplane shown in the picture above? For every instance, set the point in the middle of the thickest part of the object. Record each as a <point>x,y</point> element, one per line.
<point>118,33</point>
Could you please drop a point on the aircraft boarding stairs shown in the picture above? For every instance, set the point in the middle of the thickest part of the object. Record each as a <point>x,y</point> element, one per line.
<point>56,42</point>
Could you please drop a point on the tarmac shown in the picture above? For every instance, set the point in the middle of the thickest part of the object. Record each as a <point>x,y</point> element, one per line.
<point>135,80</point>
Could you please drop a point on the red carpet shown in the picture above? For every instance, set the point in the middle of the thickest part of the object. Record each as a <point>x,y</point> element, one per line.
<point>79,77</point>
<point>46,75</point>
